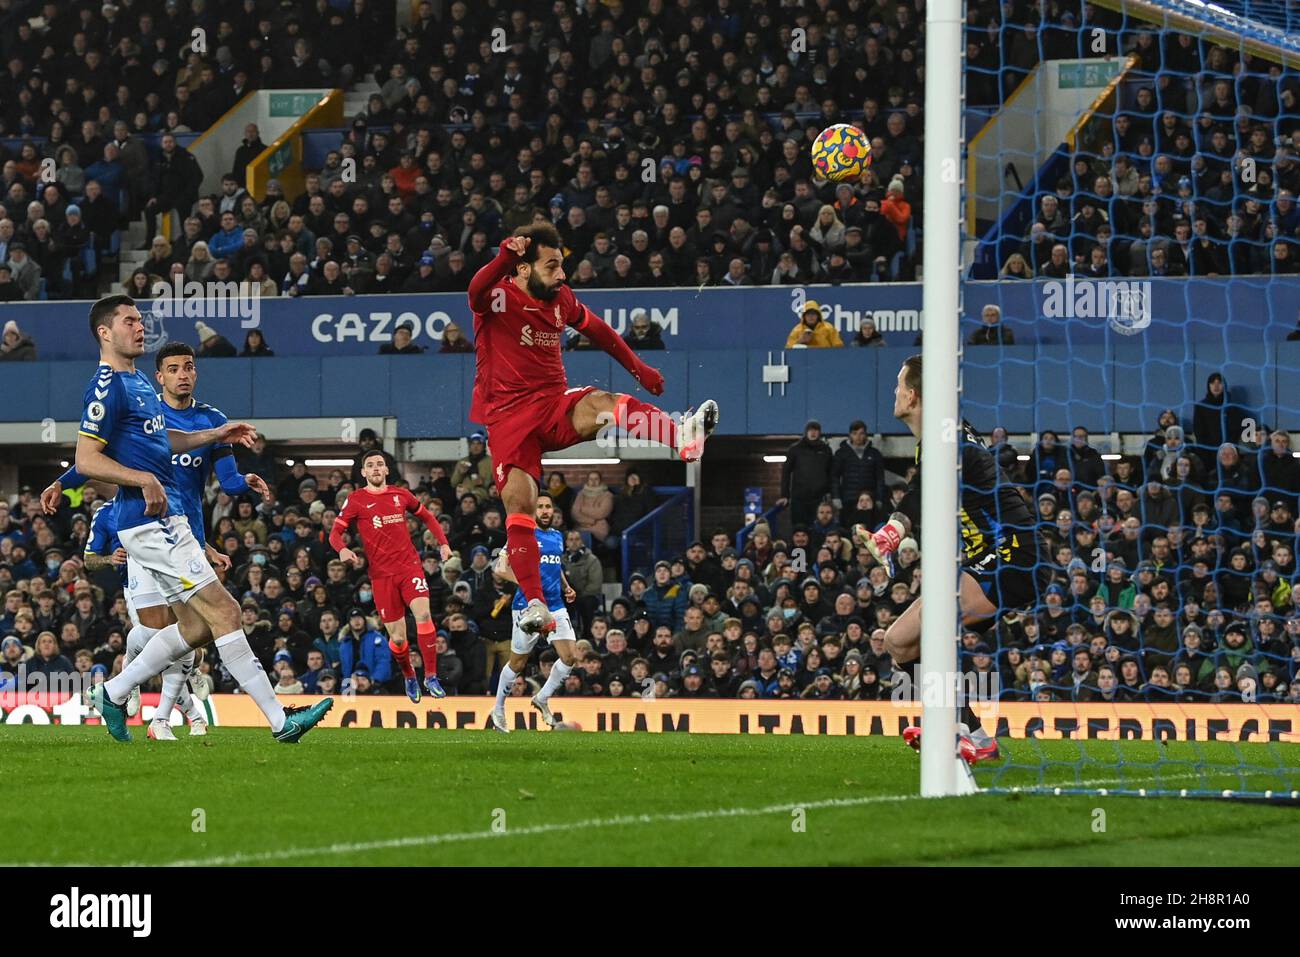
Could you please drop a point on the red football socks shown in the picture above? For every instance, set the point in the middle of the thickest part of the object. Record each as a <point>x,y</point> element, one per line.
<point>525,556</point>
<point>427,635</point>
<point>643,421</point>
<point>402,654</point>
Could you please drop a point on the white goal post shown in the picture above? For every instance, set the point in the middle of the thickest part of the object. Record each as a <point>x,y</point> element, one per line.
<point>940,387</point>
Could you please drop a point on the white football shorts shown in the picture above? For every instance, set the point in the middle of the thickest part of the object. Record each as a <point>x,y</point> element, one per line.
<point>168,558</point>
<point>521,643</point>
<point>141,590</point>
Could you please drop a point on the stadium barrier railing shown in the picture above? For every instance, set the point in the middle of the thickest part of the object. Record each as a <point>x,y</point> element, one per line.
<point>283,159</point>
<point>665,529</point>
<point>767,517</point>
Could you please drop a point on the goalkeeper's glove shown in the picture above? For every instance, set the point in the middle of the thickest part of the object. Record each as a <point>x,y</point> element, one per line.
<point>881,544</point>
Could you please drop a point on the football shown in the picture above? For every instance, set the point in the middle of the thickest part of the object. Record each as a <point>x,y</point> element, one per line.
<point>841,153</point>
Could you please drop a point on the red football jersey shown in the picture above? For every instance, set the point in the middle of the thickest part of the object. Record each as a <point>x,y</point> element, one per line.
<point>517,350</point>
<point>381,523</point>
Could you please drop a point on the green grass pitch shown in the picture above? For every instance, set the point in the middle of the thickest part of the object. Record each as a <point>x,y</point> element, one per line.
<point>368,797</point>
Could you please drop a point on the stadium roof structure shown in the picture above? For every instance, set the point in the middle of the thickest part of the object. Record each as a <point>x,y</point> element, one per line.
<point>1267,39</point>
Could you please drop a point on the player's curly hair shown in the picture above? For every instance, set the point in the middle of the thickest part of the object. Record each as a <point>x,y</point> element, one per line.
<point>539,234</point>
<point>173,348</point>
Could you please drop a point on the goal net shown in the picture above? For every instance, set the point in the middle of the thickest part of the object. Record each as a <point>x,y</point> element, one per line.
<point>1131,257</point>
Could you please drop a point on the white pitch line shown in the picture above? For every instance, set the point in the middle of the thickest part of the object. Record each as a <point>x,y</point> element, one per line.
<point>430,840</point>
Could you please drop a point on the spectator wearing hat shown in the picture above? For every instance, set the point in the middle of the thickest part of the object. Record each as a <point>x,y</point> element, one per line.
<point>479,574</point>
<point>360,645</point>
<point>475,469</point>
<point>812,331</point>
<point>401,344</point>
<point>666,598</point>
<point>867,335</point>
<point>694,684</point>
<point>15,346</point>
<point>823,687</point>
<point>9,291</point>
<point>287,682</point>
<point>213,345</point>
<point>26,273</point>
<point>703,568</point>
<point>806,475</point>
<point>424,277</point>
<point>73,241</point>
<point>12,653</point>
<point>1197,654</point>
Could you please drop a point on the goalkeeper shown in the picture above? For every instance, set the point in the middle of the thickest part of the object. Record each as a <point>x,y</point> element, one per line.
<point>1005,562</point>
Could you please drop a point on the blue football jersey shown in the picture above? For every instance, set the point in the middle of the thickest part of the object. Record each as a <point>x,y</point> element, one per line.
<point>551,544</point>
<point>122,410</point>
<point>191,469</point>
<point>103,538</point>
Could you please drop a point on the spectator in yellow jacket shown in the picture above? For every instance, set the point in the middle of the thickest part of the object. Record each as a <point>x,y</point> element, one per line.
<point>812,331</point>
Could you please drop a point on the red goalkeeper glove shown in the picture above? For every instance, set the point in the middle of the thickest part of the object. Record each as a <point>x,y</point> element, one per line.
<point>881,544</point>
<point>651,379</point>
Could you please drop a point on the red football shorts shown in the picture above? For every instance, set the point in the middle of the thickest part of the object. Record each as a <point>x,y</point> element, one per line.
<point>517,439</point>
<point>394,593</point>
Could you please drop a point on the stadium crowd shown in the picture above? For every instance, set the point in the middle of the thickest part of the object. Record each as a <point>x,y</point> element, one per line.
<point>1193,170</point>
<point>668,142</point>
<point>1174,577</point>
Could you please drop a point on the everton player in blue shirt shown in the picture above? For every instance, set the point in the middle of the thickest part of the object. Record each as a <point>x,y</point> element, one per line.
<point>556,591</point>
<point>104,550</point>
<point>124,439</point>
<point>177,375</point>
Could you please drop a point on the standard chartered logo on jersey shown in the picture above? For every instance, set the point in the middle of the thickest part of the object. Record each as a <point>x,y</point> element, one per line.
<point>1125,304</point>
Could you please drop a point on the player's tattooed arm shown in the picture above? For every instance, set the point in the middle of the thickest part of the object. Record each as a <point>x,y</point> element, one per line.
<point>94,464</point>
<point>570,595</point>
<point>94,562</point>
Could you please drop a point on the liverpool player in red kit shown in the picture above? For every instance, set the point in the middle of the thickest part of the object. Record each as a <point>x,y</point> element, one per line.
<point>396,574</point>
<point>521,307</point>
